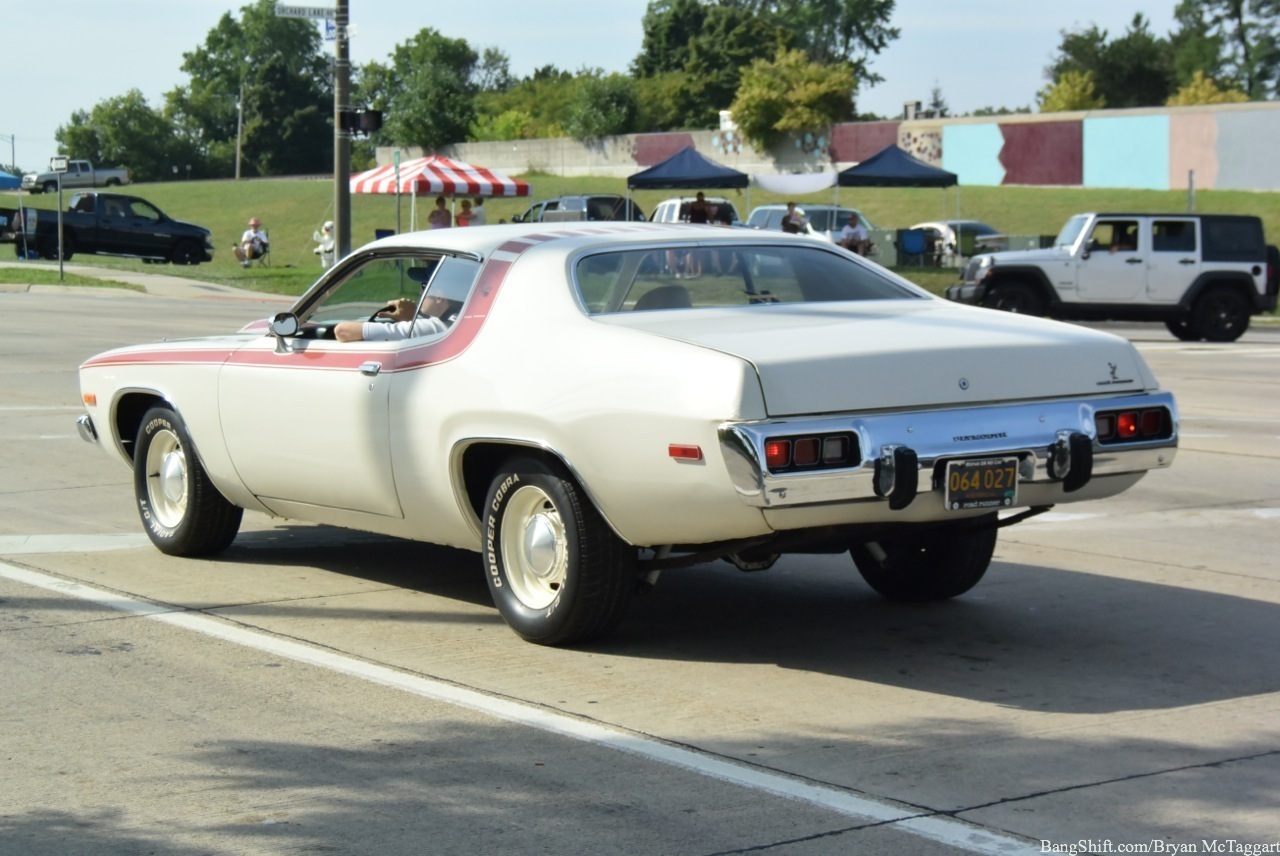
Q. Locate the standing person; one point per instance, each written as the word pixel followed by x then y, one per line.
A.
pixel 699 210
pixel 325 244
pixel 854 236
pixel 793 221
pixel 465 215
pixel 478 217
pixel 253 243
pixel 440 218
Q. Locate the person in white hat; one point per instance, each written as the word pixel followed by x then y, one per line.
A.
pixel 324 238
pixel 253 243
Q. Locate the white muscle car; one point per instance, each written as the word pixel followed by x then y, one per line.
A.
pixel 589 417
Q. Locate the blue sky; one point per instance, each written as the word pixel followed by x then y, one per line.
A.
pixel 60 56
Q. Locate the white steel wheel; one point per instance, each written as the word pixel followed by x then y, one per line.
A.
pixel 166 473
pixel 557 573
pixel 535 550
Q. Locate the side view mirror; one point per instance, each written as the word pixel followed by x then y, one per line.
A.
pixel 1085 253
pixel 517 218
pixel 284 325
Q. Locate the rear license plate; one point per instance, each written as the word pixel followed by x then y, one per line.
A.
pixel 986 483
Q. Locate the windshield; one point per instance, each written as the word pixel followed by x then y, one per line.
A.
pixel 975 227
pixel 1071 231
pixel 690 277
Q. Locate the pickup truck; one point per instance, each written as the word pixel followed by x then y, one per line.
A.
pixel 1203 275
pixel 79 174
pixel 107 224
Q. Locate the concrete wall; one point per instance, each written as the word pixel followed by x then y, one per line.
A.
pixel 1226 146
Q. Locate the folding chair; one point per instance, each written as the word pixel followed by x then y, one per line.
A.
pixel 911 244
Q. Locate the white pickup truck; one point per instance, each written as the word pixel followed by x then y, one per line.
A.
pixel 80 175
pixel 1203 275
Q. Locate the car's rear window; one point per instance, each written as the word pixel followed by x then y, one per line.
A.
pixel 692 277
pixel 1233 239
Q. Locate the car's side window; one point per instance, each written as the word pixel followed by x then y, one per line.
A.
pixel 1116 236
pixel 1173 236
pixel 368 288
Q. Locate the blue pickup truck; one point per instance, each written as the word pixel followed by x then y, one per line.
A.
pixel 109 224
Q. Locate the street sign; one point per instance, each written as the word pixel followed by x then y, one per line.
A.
pixel 315 13
pixel 330 29
pixel 58 163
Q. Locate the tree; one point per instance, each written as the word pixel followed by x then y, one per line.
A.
pixel 1195 47
pixel 126 131
pixel 833 30
pixel 1205 90
pixel 234 59
pixel 938 107
pixel 427 92
pixel 603 105
pixel 1248 32
pixel 536 106
pixel 1134 70
pixel 1074 91
pixel 669 26
pixel 791 94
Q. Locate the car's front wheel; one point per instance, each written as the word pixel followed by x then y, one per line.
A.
pixel 933 564
pixel 1016 297
pixel 183 513
pixel 556 571
pixel 1183 329
pixel 185 253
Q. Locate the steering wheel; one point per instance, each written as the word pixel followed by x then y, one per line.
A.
pixel 377 315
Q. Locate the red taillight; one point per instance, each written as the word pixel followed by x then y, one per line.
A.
pixel 1127 425
pixel 1124 426
pixel 777 454
pixel 806 451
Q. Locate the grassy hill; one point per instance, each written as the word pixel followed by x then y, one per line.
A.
pixel 292 209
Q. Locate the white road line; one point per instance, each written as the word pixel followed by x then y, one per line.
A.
pixel 13 545
pixel 39 408
pixel 946 830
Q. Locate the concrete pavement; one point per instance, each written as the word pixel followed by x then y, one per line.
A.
pixel 157 284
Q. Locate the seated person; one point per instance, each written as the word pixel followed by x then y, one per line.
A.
pixel 854 236
pixel 253 243
pixel 405 321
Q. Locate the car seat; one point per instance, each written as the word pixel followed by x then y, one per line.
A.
pixel 664 297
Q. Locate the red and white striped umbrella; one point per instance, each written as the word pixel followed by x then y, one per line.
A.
pixel 438 176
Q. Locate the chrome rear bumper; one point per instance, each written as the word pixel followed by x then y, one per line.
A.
pixel 1038 434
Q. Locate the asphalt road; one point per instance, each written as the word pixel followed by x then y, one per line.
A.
pixel 1112 682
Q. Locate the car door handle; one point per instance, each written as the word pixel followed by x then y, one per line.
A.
pixel 1133 261
pixel 1186 261
pixel 370 368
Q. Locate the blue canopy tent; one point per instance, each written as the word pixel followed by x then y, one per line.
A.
pixel 9 182
pixel 688 170
pixel 893 167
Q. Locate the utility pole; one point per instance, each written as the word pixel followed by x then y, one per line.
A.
pixel 341 136
pixel 239 127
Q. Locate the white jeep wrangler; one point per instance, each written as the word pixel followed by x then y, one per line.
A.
pixel 1203 275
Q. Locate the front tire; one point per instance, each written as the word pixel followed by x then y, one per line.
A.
pixel 1222 315
pixel 185 253
pixel 556 571
pixel 934 564
pixel 1017 297
pixel 182 511
pixel 1183 330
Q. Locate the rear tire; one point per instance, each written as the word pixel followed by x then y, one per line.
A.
pixel 934 564
pixel 556 571
pixel 1222 315
pixel 182 511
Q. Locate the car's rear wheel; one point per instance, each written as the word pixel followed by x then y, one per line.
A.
pixel 1016 297
pixel 933 564
pixel 49 247
pixel 51 187
pixel 556 571
pixel 183 513
pixel 1222 315
pixel 185 253
pixel 1183 329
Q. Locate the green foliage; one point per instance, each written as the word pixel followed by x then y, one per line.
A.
pixel 426 93
pixel 1248 32
pixel 277 64
pixel 791 94
pixel 1205 90
pixel 532 108
pixel 603 105
pixel 126 131
pixel 1134 70
pixel 1074 90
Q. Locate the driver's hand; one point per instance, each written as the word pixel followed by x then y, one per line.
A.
pixel 401 309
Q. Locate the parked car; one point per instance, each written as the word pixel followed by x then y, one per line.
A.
pixel 676 210
pixel 594 206
pixel 975 237
pixel 109 224
pixel 590 421
pixel 79 174
pixel 1203 275
pixel 824 221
